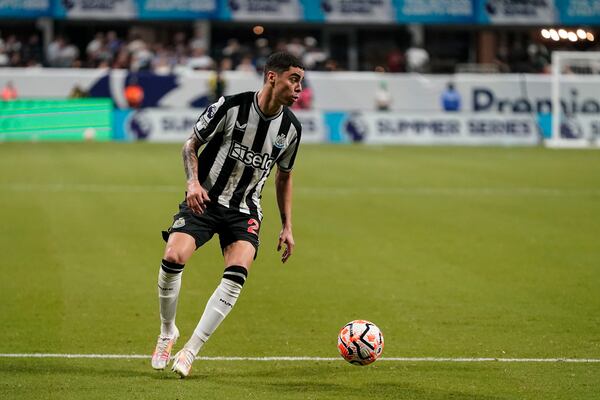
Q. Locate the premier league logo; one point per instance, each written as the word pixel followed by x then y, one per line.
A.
pixel 210 112
pixel 206 117
pixel 326 6
pixel 140 125
pixel 68 4
pixel 355 127
pixel 570 129
pixel 491 7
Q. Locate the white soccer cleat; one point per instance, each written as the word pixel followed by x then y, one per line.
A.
pixel 183 362
pixel 162 352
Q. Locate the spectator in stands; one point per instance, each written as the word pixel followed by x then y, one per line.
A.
pixel 262 50
pixel 281 45
pixel 539 57
pixel 53 51
pixel 32 53
pixel 162 61
pixel 246 64
pixel 12 47
pixel 417 59
pixel 200 60
pixel 296 48
pixel 113 43
pixel 140 54
pixel 141 60
pixel 181 50
pixel 61 54
pixel 226 64
pixel 383 97
pixel 198 41
pixel 15 60
pixel 4 60
pixel 135 42
pixel 9 92
pixel 93 48
pixel 99 55
pixel 396 61
pixel 180 38
pixel 122 59
pixel 451 100
pixel 69 56
pixel 313 57
pixel 233 51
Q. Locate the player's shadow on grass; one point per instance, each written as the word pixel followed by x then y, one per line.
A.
pixel 286 380
pixel 380 390
pixel 76 368
pixel 327 379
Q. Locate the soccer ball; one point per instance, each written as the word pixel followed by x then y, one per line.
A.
pixel 360 342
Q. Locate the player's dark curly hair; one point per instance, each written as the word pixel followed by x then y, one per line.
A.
pixel 280 62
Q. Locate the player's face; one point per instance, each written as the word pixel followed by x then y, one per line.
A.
pixel 288 85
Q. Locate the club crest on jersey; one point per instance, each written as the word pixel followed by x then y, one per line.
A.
pixel 238 151
pixel 279 141
pixel 179 223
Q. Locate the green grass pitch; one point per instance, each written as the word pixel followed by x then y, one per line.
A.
pixel 452 252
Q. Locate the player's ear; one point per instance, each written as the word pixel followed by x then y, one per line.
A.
pixel 271 78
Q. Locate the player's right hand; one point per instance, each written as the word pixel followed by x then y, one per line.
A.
pixel 197 197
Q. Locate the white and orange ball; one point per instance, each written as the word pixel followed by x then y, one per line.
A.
pixel 360 342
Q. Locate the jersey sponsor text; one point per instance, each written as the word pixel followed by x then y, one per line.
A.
pixel 238 151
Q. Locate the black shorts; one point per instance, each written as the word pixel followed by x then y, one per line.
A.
pixel 230 225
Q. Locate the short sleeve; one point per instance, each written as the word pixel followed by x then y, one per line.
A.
pixel 286 162
pixel 211 121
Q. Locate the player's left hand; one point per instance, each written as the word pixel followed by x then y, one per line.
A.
pixel 286 239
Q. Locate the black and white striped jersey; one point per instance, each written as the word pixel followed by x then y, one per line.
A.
pixel 242 145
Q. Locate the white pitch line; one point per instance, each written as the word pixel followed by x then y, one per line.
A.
pixel 283 358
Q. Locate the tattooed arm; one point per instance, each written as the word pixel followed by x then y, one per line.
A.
pixel 196 197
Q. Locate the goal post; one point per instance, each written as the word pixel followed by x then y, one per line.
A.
pixel 575 100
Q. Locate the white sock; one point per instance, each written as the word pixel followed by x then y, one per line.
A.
pixel 219 305
pixel 169 283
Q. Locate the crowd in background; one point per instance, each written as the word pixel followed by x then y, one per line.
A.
pixel 18 51
pixel 108 50
pixel 182 52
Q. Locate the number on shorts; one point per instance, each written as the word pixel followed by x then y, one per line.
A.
pixel 253 226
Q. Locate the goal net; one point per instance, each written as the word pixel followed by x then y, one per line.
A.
pixel 575 99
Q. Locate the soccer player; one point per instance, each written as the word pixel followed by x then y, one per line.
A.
pixel 244 135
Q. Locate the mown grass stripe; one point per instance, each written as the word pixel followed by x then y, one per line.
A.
pixel 287 358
